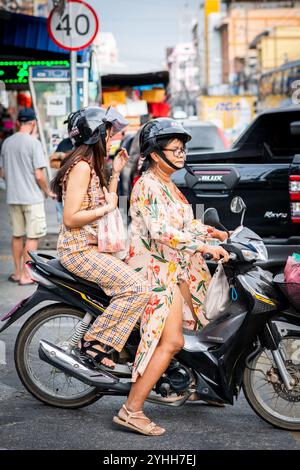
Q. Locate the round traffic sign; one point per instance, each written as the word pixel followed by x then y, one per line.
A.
pixel 76 28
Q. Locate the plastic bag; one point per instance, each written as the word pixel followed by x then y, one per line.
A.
pixel 111 233
pixel 292 269
pixel 217 295
pixel 292 280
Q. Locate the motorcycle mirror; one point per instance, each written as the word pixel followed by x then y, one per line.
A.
pixel 211 217
pixel 237 205
pixel 190 177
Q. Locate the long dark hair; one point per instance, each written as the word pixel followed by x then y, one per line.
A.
pixel 93 154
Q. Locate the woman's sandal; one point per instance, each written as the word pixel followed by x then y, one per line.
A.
pixel 88 346
pixel 148 430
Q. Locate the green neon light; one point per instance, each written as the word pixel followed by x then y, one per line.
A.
pixel 12 80
pixel 22 71
pixel 27 63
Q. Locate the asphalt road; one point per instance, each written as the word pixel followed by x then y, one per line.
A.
pixel 26 423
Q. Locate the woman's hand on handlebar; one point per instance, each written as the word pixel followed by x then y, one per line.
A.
pixel 216 252
pixel 215 233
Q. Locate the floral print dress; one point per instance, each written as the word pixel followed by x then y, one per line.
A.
pixel 163 248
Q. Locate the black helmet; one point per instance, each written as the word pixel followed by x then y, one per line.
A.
pixel 88 125
pixel 158 129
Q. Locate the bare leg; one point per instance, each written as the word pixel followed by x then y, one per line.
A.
pixel 170 343
pixel 30 245
pixel 186 294
pixel 17 252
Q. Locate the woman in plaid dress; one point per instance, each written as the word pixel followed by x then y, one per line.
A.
pixel 82 184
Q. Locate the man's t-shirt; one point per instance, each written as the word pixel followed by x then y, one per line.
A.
pixel 21 155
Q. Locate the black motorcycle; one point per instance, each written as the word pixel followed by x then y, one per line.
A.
pixel 253 345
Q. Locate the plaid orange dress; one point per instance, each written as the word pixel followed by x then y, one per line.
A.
pixel 130 292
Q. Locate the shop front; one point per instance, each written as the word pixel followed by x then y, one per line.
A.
pixel 24 46
pixel 138 97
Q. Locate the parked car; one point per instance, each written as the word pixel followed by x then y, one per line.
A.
pixel 264 169
pixel 205 137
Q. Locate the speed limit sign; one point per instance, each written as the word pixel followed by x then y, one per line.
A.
pixel 75 28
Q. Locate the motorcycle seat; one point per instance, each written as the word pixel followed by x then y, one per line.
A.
pixel 55 263
pixel 53 266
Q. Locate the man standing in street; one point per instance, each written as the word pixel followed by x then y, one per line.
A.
pixel 22 164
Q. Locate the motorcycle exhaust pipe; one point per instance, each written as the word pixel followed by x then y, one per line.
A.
pixel 71 365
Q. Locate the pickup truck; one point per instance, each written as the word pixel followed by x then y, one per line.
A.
pixel 263 167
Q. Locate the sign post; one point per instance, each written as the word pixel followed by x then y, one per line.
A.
pixel 73 29
pixel 73 61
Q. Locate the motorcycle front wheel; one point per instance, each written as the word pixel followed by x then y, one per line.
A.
pixel 56 324
pixel 265 390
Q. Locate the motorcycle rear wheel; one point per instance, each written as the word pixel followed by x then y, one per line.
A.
pixel 55 323
pixel 265 392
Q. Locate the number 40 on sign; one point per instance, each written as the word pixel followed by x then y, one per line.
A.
pixel 75 28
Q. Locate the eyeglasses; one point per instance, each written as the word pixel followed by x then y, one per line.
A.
pixel 177 152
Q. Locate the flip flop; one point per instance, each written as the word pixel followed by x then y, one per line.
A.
pixel 11 279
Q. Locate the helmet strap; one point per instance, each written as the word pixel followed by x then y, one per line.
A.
pixel 166 160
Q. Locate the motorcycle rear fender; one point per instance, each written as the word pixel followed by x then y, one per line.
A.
pixel 40 295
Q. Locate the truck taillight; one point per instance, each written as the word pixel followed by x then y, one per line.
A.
pixel 294 190
pixel 295 212
pixel 294 186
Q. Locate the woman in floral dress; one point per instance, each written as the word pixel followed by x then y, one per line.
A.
pixel 167 247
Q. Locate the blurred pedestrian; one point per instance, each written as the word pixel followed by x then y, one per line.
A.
pixel 22 165
pixel 60 153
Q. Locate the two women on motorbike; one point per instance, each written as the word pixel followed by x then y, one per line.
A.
pixel 164 279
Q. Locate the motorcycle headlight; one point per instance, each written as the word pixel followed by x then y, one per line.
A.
pixel 259 252
pixel 250 255
pixel 262 251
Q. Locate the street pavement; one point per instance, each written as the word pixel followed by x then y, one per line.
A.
pixel 25 423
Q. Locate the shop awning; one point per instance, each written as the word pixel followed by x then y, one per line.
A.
pixel 27 36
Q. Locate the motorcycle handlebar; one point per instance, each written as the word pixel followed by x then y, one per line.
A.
pixel 208 257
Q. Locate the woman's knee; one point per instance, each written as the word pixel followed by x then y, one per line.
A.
pixel 173 345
